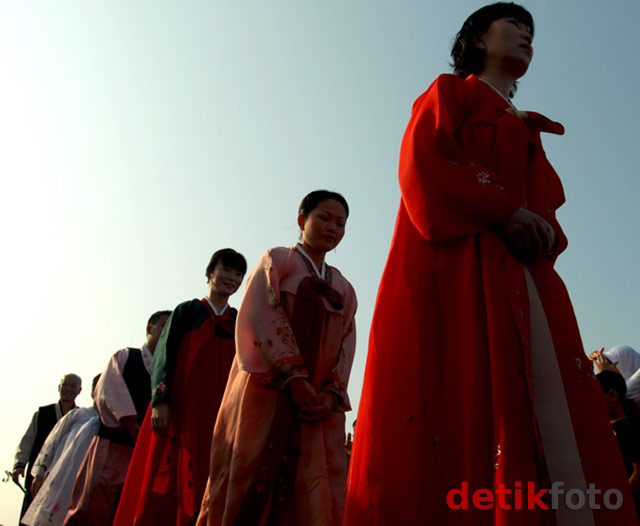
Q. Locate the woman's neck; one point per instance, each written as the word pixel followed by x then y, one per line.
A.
pixel 219 300
pixel 501 82
pixel 316 256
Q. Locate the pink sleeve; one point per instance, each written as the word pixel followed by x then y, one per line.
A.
pixel 340 374
pixel 265 343
pixel 112 395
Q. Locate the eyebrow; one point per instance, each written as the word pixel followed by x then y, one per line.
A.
pixel 326 211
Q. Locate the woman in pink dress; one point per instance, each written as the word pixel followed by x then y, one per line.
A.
pixel 278 445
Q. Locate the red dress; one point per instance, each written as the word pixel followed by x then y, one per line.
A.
pixel 168 476
pixel 476 372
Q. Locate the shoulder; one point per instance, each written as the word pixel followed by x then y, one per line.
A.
pixel 123 354
pixel 277 258
pixel 277 253
pixel 449 83
pixel 447 92
pixel 189 308
pixel 45 408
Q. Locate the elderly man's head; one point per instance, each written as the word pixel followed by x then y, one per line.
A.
pixel 70 387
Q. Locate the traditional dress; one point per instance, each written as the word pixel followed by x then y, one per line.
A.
pixel 476 372
pixel 168 476
pixel 59 461
pixel 124 390
pixel 264 462
pixel 42 422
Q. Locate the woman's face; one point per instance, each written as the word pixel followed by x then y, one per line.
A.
pixel 323 228
pixel 507 46
pixel 224 280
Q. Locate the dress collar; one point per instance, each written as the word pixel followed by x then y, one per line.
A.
pixel 323 268
pixel 508 100
pixel 147 357
pixel 215 311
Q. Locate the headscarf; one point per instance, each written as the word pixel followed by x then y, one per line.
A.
pixel 628 359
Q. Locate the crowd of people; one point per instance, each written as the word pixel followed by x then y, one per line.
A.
pixel 475 374
pixel 272 378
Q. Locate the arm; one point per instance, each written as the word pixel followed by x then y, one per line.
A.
pixel 24 449
pixel 446 194
pixel 166 354
pixel 163 367
pixel 333 394
pixel 52 443
pixel 265 344
pixel 337 383
pixel 111 397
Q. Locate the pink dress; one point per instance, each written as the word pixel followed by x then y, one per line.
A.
pixel 265 464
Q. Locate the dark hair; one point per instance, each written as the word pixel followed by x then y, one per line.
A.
pixel 612 380
pixel 467 57
pixel 230 258
pixel 94 382
pixel 313 199
pixel 157 315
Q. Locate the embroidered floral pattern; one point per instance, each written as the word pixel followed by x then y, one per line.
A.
pixel 160 390
pixel 286 334
pixel 586 372
pixel 485 179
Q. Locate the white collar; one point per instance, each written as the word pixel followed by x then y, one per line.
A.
pixel 147 357
pixel 320 273
pixel 215 311
pixel 497 91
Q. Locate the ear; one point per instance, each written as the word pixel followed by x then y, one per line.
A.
pixel 479 41
pixel 149 328
pixel 301 221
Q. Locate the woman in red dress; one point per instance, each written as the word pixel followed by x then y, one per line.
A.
pixel 476 377
pixel 170 465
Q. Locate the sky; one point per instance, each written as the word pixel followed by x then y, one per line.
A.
pixel 136 138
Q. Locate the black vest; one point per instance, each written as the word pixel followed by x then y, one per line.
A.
pixel 46 421
pixel 138 381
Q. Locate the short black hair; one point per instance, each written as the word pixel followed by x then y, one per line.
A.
pixel 157 315
pixel 94 382
pixel 467 57
pixel 230 258
pixel 313 199
pixel 612 380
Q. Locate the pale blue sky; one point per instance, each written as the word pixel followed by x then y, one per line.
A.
pixel 139 137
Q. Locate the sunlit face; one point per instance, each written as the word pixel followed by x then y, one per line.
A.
pixel 155 330
pixel 323 228
pixel 507 44
pixel 69 388
pixel 224 280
